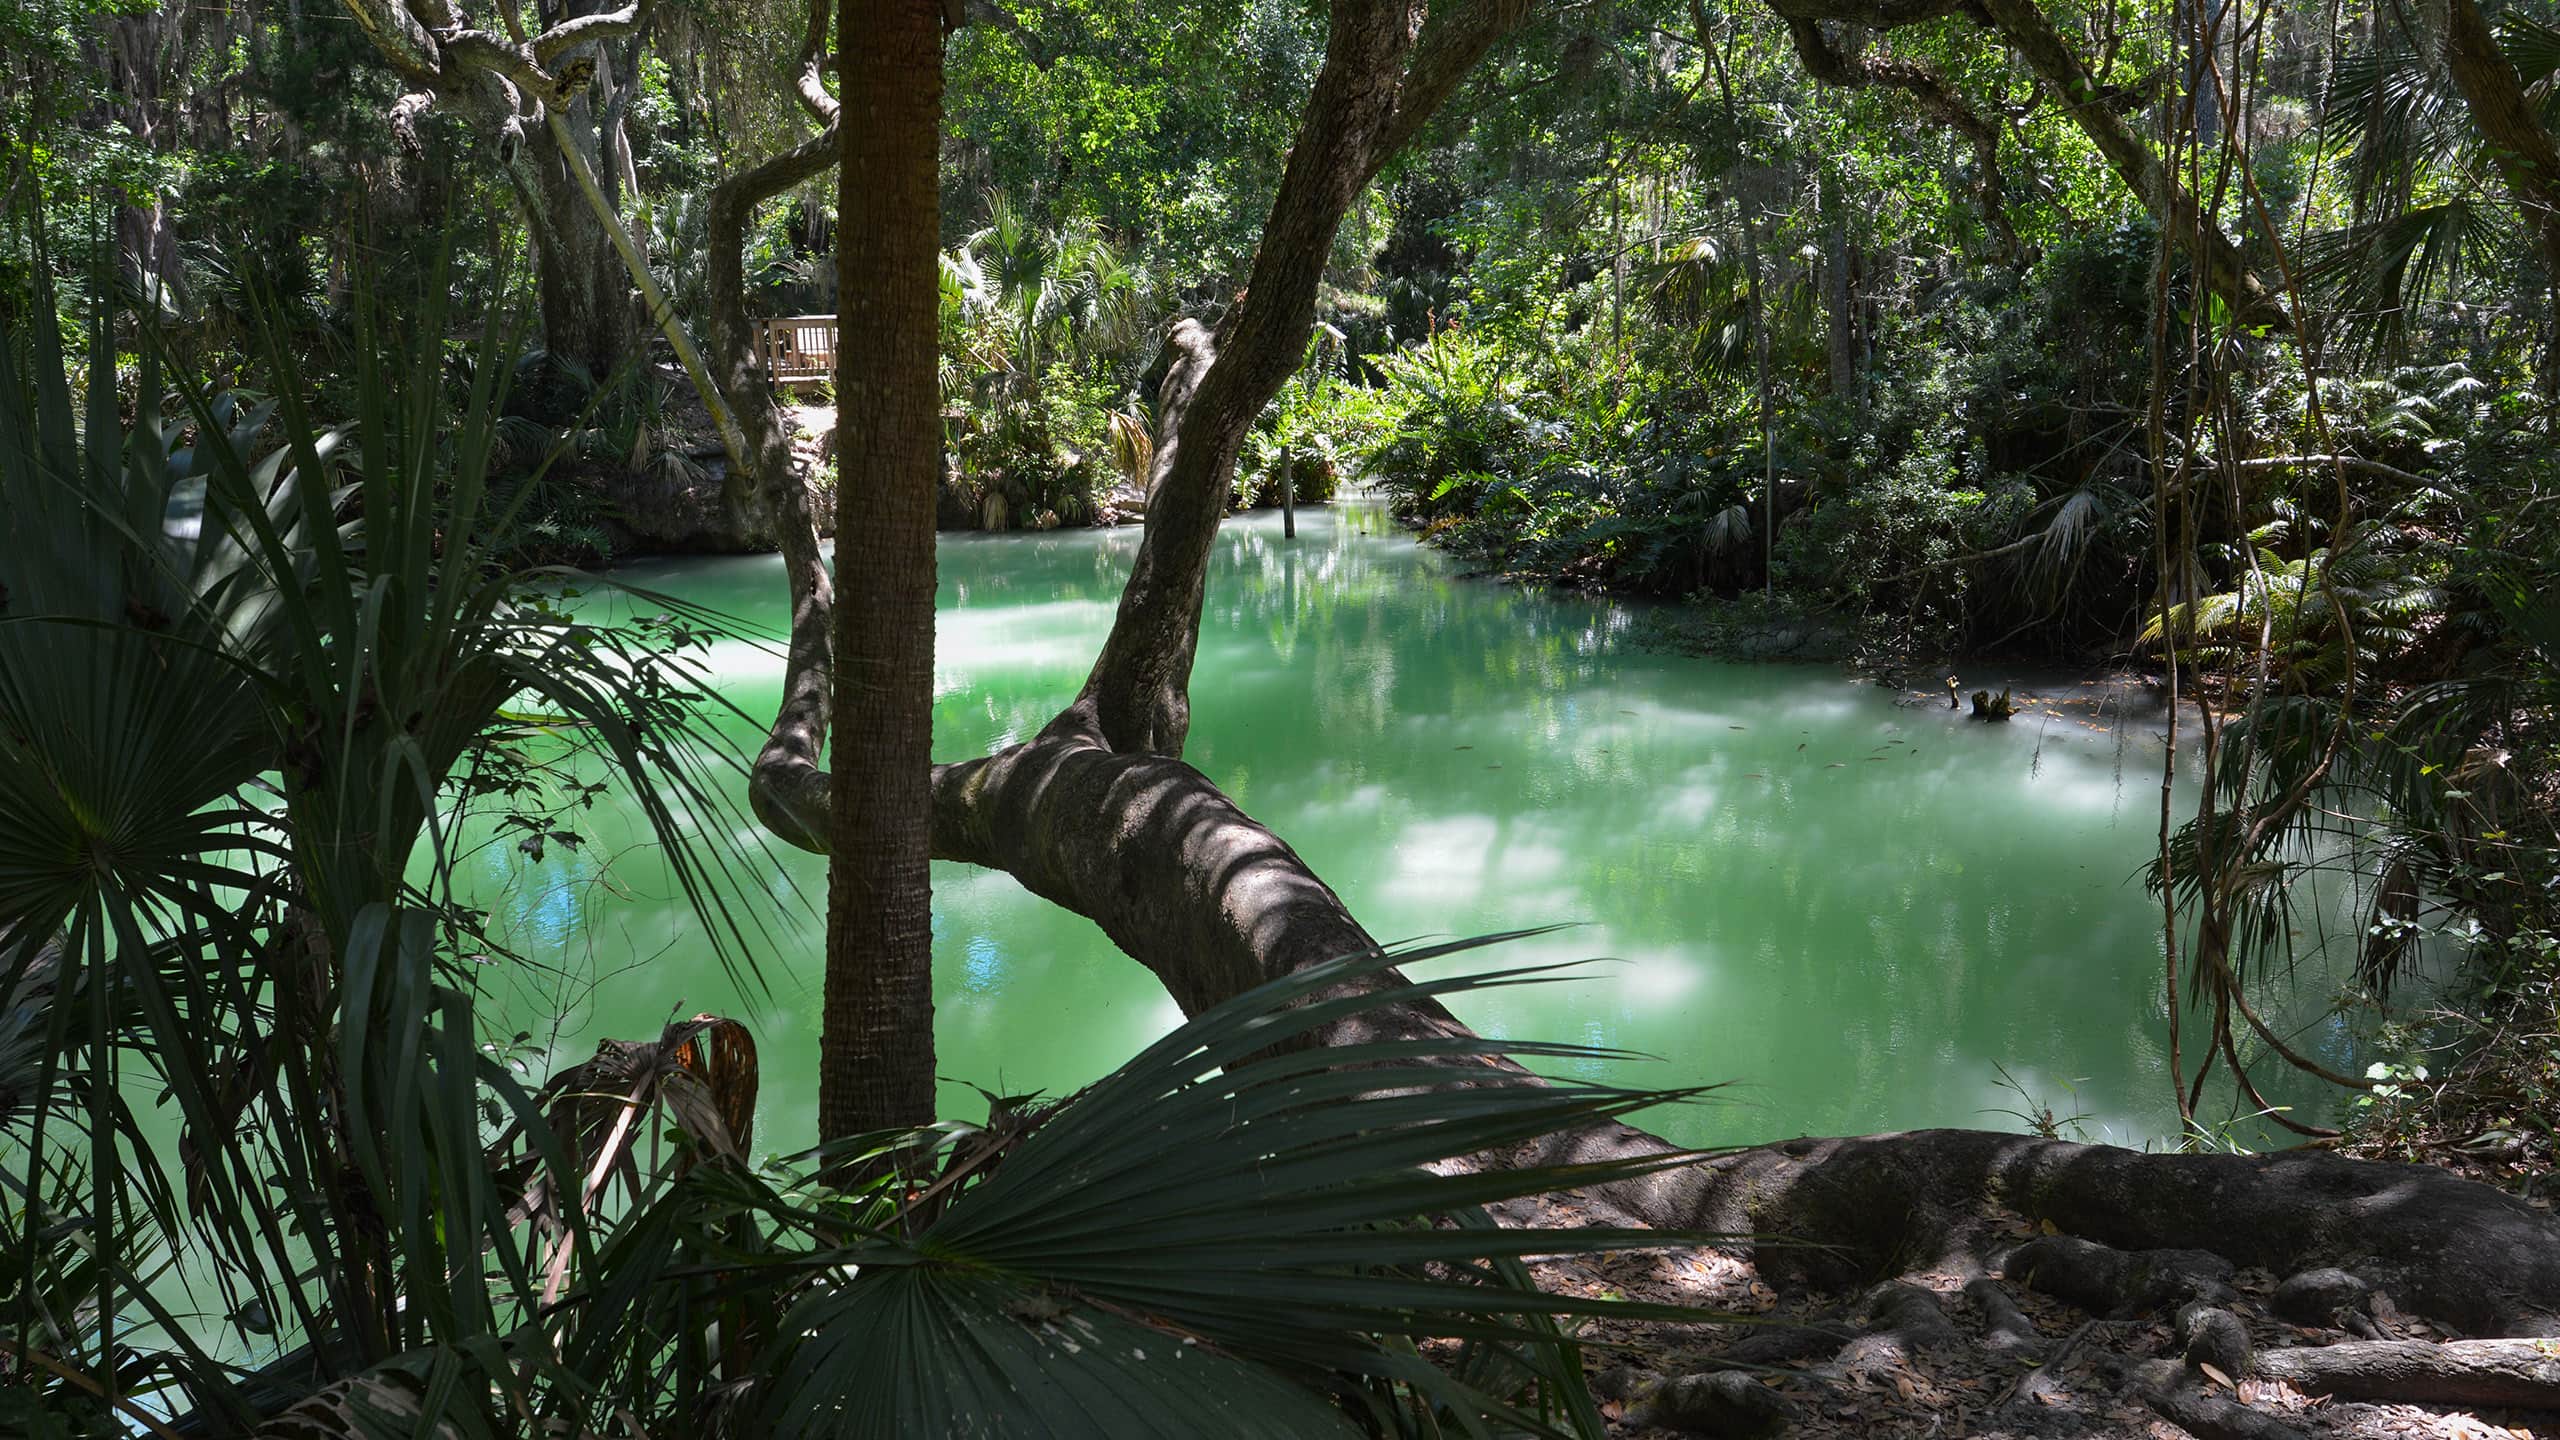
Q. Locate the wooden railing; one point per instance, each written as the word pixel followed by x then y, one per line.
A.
pixel 797 347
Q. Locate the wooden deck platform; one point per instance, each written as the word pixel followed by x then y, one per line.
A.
pixel 797 349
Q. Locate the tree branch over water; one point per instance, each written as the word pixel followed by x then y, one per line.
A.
pixel 1099 814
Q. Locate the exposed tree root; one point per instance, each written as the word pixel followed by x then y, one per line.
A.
pixel 2208 1416
pixel 2115 1283
pixel 2476 1260
pixel 1100 815
pixel 2519 1373
pixel 2005 1328
pixel 2042 1385
pixel 1939 1352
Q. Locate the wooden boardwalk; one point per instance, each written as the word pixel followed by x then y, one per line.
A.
pixel 797 349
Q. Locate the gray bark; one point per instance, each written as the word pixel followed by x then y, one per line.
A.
pixel 495 81
pixel 2521 1373
pixel 1100 815
pixel 751 506
pixel 2456 1251
pixel 1839 305
pixel 588 318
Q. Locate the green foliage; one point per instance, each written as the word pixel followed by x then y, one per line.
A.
pixel 2408 691
pixel 247 698
pixel 1206 1240
pixel 244 698
pixel 2426 219
pixel 1317 426
pixel 1570 468
pixel 1163 127
pixel 1039 330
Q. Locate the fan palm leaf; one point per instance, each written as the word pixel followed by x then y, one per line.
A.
pixel 233 693
pixel 1212 1204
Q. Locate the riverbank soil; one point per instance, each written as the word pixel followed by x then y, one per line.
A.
pixel 2025 1332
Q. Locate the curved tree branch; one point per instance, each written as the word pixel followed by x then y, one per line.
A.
pixel 789 787
pixel 401 38
pixel 809 83
pixel 1929 89
pixel 1365 103
pixel 2022 24
pixel 1453 39
pixel 560 39
pixel 1099 816
pixel 470 50
pixel 733 353
pixel 2222 267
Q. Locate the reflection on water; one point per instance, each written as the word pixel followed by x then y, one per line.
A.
pixel 1851 909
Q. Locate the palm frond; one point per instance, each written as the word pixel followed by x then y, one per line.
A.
pixel 2368 276
pixel 1216 1214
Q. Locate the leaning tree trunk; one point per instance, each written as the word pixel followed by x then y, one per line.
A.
pixel 747 503
pixel 1380 81
pixel 1839 302
pixel 1097 814
pixel 876 1047
pixel 581 285
pixel 509 87
pixel 752 496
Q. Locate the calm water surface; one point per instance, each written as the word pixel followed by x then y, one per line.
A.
pixel 1853 910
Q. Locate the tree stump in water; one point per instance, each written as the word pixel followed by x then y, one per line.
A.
pixel 1987 706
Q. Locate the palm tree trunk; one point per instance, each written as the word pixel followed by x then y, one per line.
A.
pixel 876 1047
